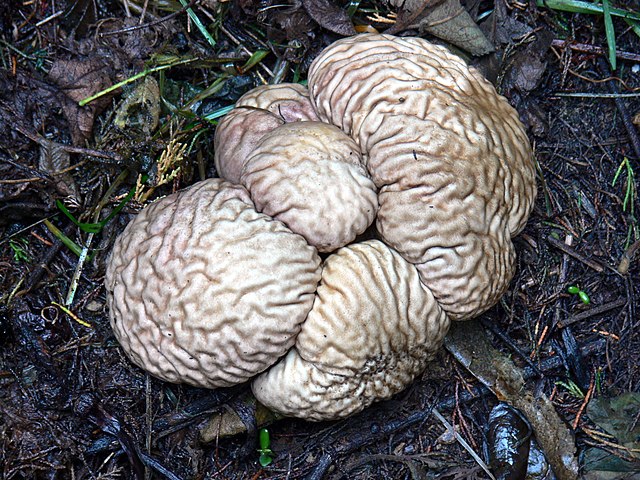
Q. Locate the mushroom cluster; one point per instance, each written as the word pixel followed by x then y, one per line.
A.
pixel 223 282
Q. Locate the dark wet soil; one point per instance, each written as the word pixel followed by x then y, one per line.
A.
pixel 73 407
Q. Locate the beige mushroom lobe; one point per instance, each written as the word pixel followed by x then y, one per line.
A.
pixel 372 329
pixel 449 156
pixel 309 175
pixel 203 289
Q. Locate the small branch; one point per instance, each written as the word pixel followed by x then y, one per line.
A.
pixel 572 252
pixel 592 49
pixel 592 312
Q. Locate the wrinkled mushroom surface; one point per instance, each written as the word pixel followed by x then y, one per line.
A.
pixel 237 135
pixel 309 175
pixel 448 154
pixel 257 112
pixel 289 101
pixel 372 330
pixel 203 289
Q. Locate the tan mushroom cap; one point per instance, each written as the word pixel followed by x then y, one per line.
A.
pixel 257 112
pixel 289 101
pixel 236 137
pixel 450 158
pixel 309 175
pixel 372 330
pixel 202 289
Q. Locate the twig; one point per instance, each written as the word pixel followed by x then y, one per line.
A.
pixel 463 442
pixel 592 312
pixel 133 78
pixel 149 24
pixel 585 402
pixel 586 48
pixel 624 113
pixel 245 49
pixel 597 95
pixel 34 137
pixel 570 251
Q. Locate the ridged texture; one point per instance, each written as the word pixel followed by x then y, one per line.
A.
pixel 237 135
pixel 449 156
pixel 372 330
pixel 289 101
pixel 309 175
pixel 257 112
pixel 203 289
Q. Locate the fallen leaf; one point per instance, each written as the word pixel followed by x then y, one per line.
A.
pixel 140 110
pixel 508 442
pixel 330 16
pixel 445 19
pixel 526 68
pixel 53 160
pixel 78 79
pixel 502 28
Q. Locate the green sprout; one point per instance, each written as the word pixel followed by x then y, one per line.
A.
pixel 19 252
pixel 572 388
pixel 575 290
pixel 264 450
pixel 630 194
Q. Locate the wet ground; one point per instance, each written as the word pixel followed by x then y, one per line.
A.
pixel 74 407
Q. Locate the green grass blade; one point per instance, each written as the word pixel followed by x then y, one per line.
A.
pixel 255 59
pixel 635 26
pixel 611 35
pixel 67 242
pixel 577 6
pixel 194 18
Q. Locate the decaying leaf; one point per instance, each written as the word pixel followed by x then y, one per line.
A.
pixel 469 344
pixel 527 67
pixel 229 423
pixel 54 159
pixel 502 28
pixel 78 79
pixel 445 19
pixel 617 416
pixel 140 110
pixel 508 438
pixel 330 16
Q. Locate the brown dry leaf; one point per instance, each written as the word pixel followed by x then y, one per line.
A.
pixel 330 16
pixel 78 79
pixel 53 160
pixel 469 344
pixel 445 19
pixel 527 68
pixel 501 28
pixel 229 424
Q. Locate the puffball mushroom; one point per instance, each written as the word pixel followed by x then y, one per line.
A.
pixel 310 176
pixel 371 331
pixel 257 112
pixel 306 173
pixel 203 289
pixel 450 158
pixel 289 101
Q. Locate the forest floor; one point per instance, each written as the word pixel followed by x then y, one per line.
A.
pixel 71 404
